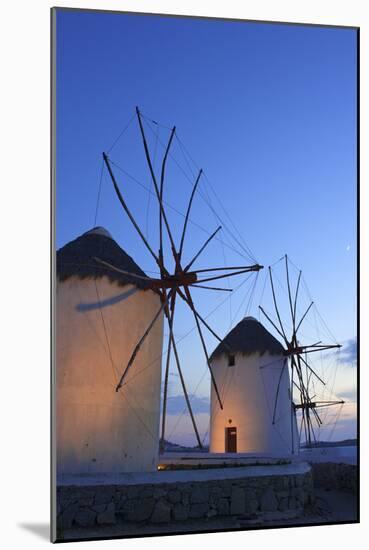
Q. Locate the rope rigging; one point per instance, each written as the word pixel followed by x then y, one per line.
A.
pixel 246 247
pixel 150 187
pixel 223 223
pixel 125 128
pixel 233 240
pixel 99 193
pixel 174 209
pixel 308 399
pixel 186 296
pixel 112 363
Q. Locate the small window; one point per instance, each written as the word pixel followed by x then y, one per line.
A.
pixel 231 360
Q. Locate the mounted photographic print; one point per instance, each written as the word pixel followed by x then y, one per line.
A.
pixel 204 370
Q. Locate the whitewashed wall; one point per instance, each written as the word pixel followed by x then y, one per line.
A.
pixel 98 429
pixel 248 393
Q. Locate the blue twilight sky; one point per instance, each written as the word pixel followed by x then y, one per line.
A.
pixel 269 112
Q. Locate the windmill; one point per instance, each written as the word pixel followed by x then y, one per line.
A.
pixel 171 285
pixel 298 355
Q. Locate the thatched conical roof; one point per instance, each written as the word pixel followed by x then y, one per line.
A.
pixel 77 258
pixel 248 337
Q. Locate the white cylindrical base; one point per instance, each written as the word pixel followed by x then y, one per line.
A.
pixel 99 430
pixel 249 394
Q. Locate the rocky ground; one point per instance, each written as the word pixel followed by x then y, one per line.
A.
pixel 331 506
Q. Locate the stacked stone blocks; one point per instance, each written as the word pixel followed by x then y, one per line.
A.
pixel 162 503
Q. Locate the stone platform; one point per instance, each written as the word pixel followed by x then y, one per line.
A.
pixel 184 460
pixel 166 497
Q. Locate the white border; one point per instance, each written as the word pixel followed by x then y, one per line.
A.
pixel 24 42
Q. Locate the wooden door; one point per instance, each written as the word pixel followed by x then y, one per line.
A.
pixel 231 440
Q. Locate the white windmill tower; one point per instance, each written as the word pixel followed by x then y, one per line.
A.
pixel 109 339
pixel 100 316
pixel 250 367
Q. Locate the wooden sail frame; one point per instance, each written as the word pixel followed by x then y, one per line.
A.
pixel 294 351
pixel 170 285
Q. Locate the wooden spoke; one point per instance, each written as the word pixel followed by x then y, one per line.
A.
pixel 201 249
pixel 277 392
pixel 274 325
pixel 305 400
pixel 161 191
pixel 166 376
pixel 296 295
pixel 251 268
pixel 320 404
pixel 308 405
pixel 312 409
pixel 139 344
pixel 255 267
pixel 190 303
pixel 303 317
pixel 306 349
pixel 171 337
pixel 300 432
pixel 312 432
pixel 303 388
pixel 292 409
pixel 311 370
pixel 147 154
pixel 317 417
pixel 187 214
pixel 290 295
pixel 211 288
pixel 319 346
pixel 128 273
pixel 275 303
pixel 184 297
pixel 127 211
pixel 304 422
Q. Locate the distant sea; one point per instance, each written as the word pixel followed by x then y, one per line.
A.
pixel 346 454
pixel 337 451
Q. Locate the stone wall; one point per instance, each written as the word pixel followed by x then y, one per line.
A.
pixel 330 475
pixel 155 503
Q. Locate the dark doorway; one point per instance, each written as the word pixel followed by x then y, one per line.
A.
pixel 231 440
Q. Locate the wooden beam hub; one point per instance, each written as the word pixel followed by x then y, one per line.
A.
pixel 180 279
